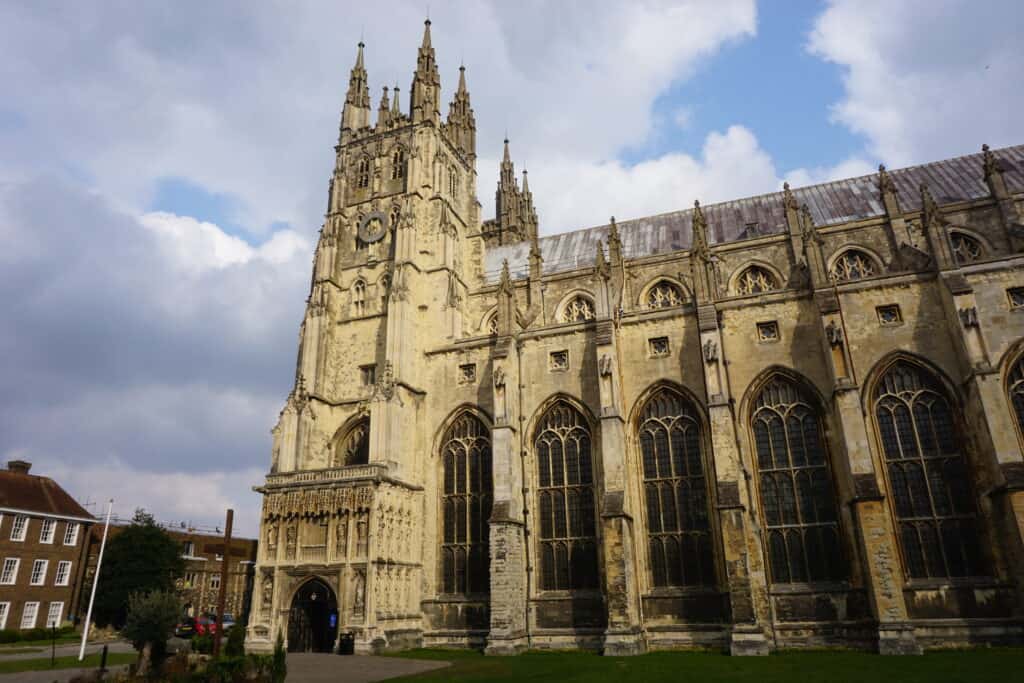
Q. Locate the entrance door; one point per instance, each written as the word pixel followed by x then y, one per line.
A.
pixel 313 619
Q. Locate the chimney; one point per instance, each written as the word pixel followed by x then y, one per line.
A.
pixel 19 466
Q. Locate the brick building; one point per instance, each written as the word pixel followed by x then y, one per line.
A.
pixel 786 420
pixel 43 536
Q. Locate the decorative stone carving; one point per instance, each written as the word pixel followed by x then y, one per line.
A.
pixel 710 351
pixel 290 540
pixel 834 334
pixel 969 316
pixel 605 365
pixel 267 595
pixel 341 536
pixel 384 389
pixel 359 592
pixel 499 377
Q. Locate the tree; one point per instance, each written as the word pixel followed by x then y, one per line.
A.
pixel 149 623
pixel 140 559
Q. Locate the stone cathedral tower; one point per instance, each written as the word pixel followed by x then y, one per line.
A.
pixel 786 420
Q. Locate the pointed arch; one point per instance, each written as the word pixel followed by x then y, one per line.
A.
pixel 1013 383
pixel 853 262
pixel 358 295
pixel 351 443
pixel 795 480
pixel 672 441
pixel 663 292
pixel 562 438
pixel 576 306
pixel 755 277
pixel 918 425
pixel 967 245
pixel 467 494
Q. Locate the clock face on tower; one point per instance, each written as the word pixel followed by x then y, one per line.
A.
pixel 373 226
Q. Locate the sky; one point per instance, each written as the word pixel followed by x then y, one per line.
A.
pixel 164 170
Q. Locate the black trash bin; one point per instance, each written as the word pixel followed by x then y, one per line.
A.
pixel 346 643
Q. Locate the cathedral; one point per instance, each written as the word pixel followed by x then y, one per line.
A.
pixel 783 421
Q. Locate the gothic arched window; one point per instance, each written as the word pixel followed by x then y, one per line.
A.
pixel 755 280
pixel 928 477
pixel 363 173
pixel 675 490
pixel 492 325
pixel 1015 387
pixel 453 182
pixel 664 294
pixel 966 249
pixel 354 447
pixel 567 543
pixel 359 298
pixel 466 506
pixel 797 497
pixel 852 264
pixel 398 164
pixel 578 309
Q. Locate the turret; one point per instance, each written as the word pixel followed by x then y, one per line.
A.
pixel 384 110
pixel 356 113
pixel 515 216
pixel 461 124
pixel 426 83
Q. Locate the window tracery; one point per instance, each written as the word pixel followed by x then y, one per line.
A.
pixel 354 448
pixel 675 491
pixel 664 294
pixel 466 506
pixel 928 477
pixel 398 164
pixel 567 538
pixel 755 280
pixel 359 298
pixel 796 487
pixel 578 309
pixel 492 325
pixel 363 173
pixel 966 249
pixel 852 264
pixel 1015 387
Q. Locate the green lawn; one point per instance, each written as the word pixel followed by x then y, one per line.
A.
pixel 996 664
pixel 92 661
pixel 61 640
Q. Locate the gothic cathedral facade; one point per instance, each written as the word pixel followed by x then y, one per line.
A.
pixel 787 420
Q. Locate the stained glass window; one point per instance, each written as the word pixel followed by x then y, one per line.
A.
pixel 755 280
pixel 466 507
pixel 852 264
pixel 578 309
pixel 965 248
pixel 664 294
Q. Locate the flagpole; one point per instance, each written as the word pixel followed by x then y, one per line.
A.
pixel 95 580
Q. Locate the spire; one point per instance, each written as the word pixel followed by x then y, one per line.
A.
pixel 356 113
pixel 462 81
pixel 614 241
pixel 507 159
pixel 426 83
pixel 461 124
pixel 699 245
pixel 384 110
pixel 526 184
pixel 396 110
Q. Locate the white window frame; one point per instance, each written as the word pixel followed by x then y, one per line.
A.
pixel 54 620
pixel 215 581
pixel 14 571
pixel 72 531
pixel 19 529
pixel 63 570
pixel 42 566
pixel 48 525
pixel 5 609
pixel 25 612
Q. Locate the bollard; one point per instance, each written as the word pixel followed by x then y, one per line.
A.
pixel 103 660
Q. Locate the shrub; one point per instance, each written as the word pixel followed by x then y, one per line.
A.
pixel 235 645
pixel 150 622
pixel 9 635
pixel 279 665
pixel 202 645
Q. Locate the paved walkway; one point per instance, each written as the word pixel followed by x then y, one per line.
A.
pixel 319 668
pixel 65 650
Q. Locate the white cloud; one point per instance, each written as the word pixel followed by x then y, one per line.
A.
pixel 925 80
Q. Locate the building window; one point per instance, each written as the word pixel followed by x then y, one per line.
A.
pixel 889 314
pixel 755 280
pixel 664 295
pixel 928 476
pixel 658 346
pixel 492 325
pixel 63 576
pixel 675 491
pixel 398 164
pixel 558 361
pixel 577 310
pixel 5 609
pixel 71 534
pixel 966 249
pixel 852 264
pixel 1015 294
pixel 28 615
pixel 768 331
pixel 1015 387
pixel 368 375
pixel 466 506
pixel 190 580
pixel 467 373
pixel 359 298
pixel 453 182
pixel 9 575
pixel 19 528
pixel 215 581
pixel 568 544
pixel 46 531
pixel 54 614
pixel 354 448
pixel 363 173
pixel 189 549
pixel 796 487
pixel 38 576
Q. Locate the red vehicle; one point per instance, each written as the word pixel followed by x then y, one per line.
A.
pixel 193 626
pixel 205 626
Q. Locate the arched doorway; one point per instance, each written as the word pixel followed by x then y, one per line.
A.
pixel 313 620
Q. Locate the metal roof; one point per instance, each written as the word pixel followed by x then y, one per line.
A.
pixel 839 201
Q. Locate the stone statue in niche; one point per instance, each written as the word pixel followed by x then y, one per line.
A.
pixel 361 535
pixel 710 351
pixel 605 365
pixel 834 333
pixel 267 596
pixel 359 592
pixel 271 539
pixel 341 536
pixel 289 542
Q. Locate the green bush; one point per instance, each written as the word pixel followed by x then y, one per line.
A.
pixel 279 665
pixel 235 645
pixel 202 644
pixel 9 635
pixel 36 634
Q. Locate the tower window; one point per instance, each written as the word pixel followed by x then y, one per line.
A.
pixel 363 173
pixel 398 164
pixel 453 182
pixel 359 298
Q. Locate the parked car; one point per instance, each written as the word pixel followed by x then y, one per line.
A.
pixel 186 628
pixel 206 626
pixel 228 622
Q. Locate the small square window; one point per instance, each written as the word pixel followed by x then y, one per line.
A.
pixel 558 361
pixel 889 314
pixel 368 374
pixel 658 346
pixel 768 331
pixel 467 373
pixel 1016 295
